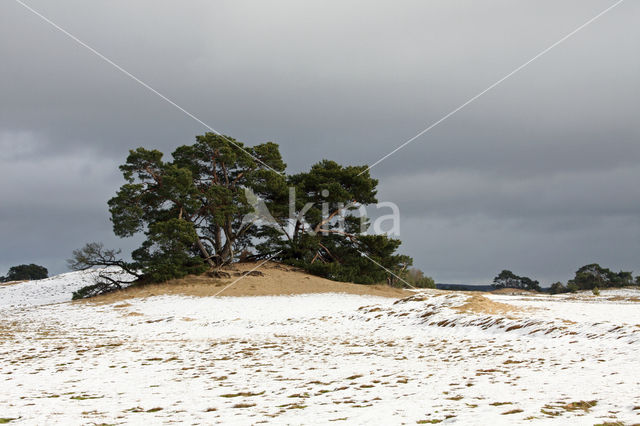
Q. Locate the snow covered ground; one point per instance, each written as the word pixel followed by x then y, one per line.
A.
pixel 52 290
pixel 315 359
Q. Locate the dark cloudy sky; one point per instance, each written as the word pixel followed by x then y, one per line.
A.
pixel 541 175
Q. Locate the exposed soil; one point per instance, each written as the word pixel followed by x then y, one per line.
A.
pixel 270 279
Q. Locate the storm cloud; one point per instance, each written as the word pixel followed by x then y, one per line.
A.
pixel 540 175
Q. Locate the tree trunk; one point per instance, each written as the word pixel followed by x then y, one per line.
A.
pixel 227 250
pixel 204 252
pixel 217 235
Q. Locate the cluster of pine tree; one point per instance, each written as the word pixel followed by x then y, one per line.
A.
pixel 193 211
pixel 507 279
pixel 595 277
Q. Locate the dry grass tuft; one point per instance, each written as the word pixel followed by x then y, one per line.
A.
pixel 514 411
pixel 580 405
pixel 243 405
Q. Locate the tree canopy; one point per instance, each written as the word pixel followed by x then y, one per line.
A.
pixel 191 208
pixel 593 275
pixel 418 279
pixel 317 231
pixel 25 272
pixel 507 279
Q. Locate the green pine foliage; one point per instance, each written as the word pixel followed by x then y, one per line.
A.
pixel 507 279
pixel 416 278
pixel 558 288
pixel 168 251
pixel 191 208
pixel 93 290
pixel 326 239
pixel 593 275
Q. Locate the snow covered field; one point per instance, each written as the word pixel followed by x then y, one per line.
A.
pixel 313 359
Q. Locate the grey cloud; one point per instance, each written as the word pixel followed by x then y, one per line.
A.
pixel 53 204
pixel 476 248
pixel 458 193
pixel 345 81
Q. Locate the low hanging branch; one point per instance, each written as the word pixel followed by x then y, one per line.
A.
pixel 95 255
pixel 329 253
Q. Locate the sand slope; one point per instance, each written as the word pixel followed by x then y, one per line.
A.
pixel 247 279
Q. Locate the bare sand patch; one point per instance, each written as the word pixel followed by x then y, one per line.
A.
pixel 271 279
pixel 482 305
pixel 623 299
pixel 514 292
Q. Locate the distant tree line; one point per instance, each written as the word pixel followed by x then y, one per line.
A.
pixel 588 277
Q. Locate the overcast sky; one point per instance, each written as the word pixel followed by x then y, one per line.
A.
pixel 540 175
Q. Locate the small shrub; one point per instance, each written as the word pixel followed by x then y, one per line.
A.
pixel 94 290
pixel 596 291
pixel 416 278
pixel 557 288
pixel 426 282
